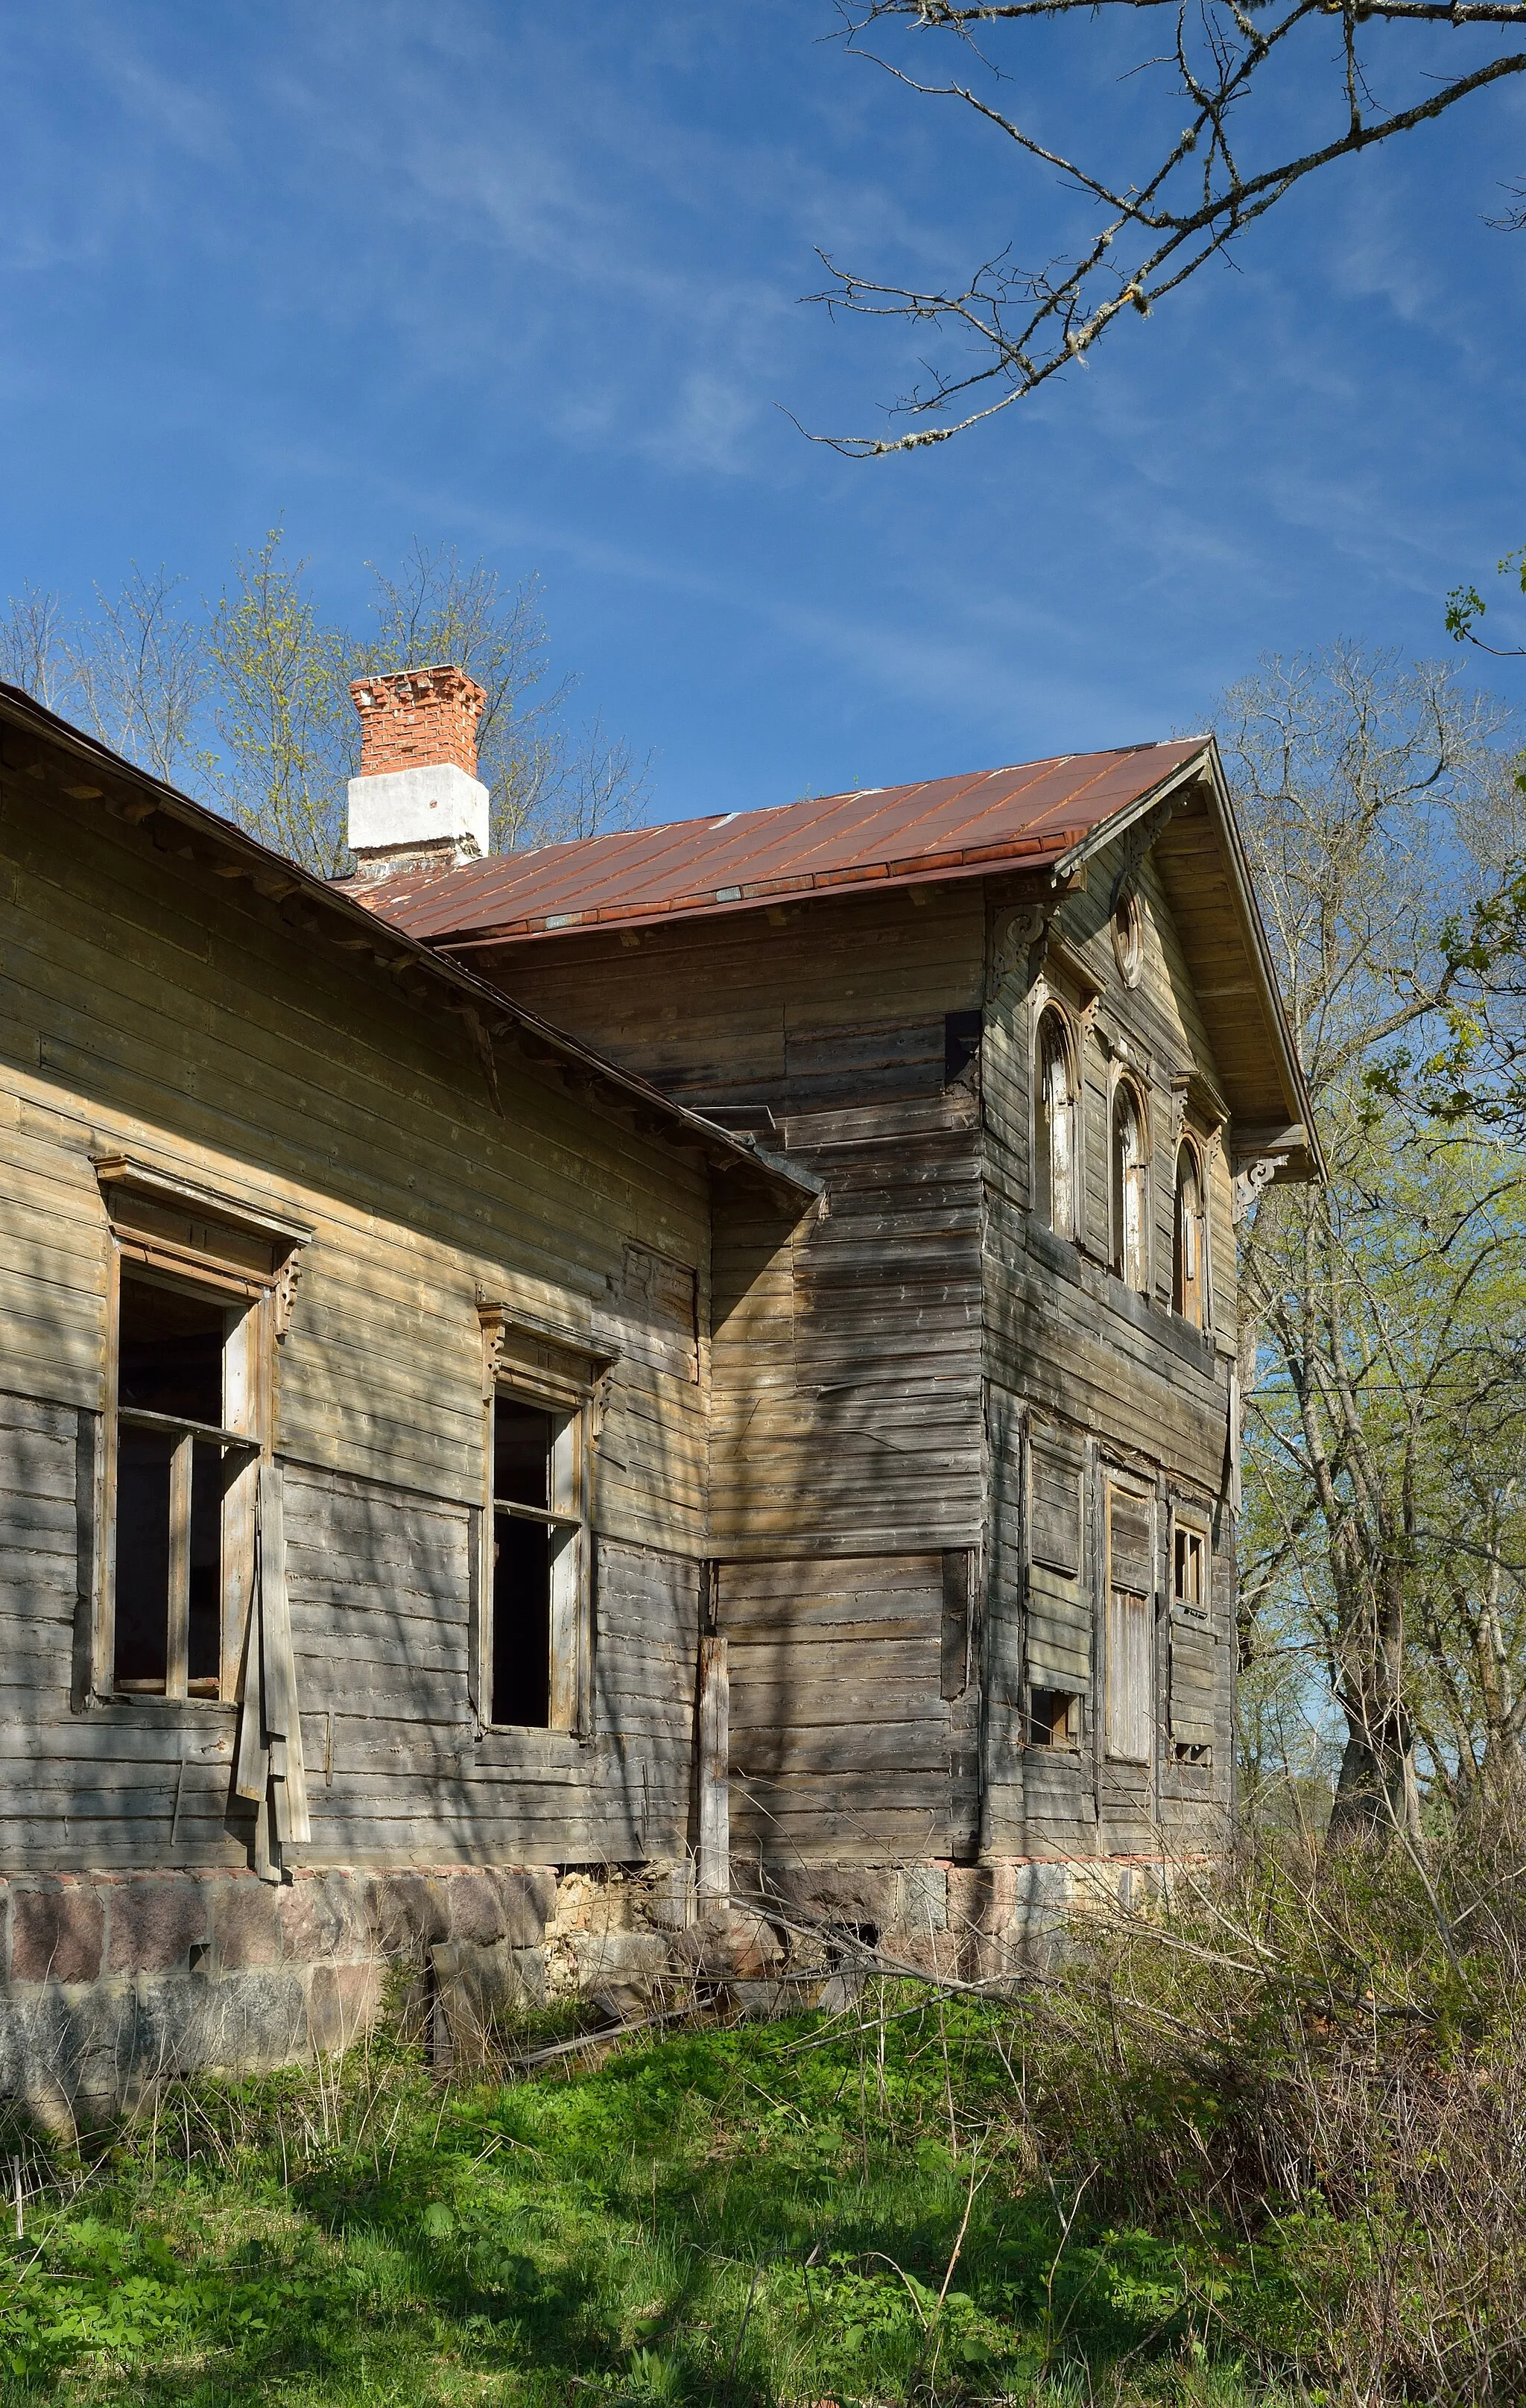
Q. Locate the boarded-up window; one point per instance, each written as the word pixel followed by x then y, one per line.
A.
pixel 1131 1625
pixel 1057 1508
pixel 665 1295
pixel 1058 1622
pixel 1194 1670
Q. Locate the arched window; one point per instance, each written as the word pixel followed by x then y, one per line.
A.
pixel 1189 1273
pixel 1129 1200
pixel 1054 1128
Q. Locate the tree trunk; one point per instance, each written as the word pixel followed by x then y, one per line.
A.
pixel 1377 1795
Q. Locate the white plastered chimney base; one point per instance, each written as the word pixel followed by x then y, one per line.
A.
pixel 408 811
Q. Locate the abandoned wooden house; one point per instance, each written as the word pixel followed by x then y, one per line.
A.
pixel 527 1376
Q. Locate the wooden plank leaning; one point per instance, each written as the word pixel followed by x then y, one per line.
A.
pixel 271 1770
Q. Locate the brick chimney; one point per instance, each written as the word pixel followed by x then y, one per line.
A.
pixel 418 804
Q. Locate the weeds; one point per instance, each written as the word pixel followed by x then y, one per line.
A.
pixel 1265 2146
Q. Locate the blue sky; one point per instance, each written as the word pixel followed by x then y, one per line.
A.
pixel 528 280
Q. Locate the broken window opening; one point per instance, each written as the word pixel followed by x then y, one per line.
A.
pixel 1189 1270
pixel 1195 1753
pixel 1054 1128
pixel 1189 1585
pixel 962 1032
pixel 185 1452
pixel 539 1550
pixel 1131 1216
pixel 1054 1718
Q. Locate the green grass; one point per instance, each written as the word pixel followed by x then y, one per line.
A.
pixel 760 2213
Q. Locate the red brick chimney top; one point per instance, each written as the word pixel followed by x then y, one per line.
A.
pixel 418 719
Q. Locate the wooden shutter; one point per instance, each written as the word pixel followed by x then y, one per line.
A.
pixel 1058 1608
pixel 1130 1625
pixel 1057 1510
pixel 1130 1530
pixel 1194 1678
pixel 1130 1718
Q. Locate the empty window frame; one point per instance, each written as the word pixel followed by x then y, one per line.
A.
pixel 539 1564
pixel 1129 1187
pixel 1189 1571
pixel 184 1444
pixel 1193 1672
pixel 1054 1718
pixel 1131 1624
pixel 1190 1266
pixel 1055 1181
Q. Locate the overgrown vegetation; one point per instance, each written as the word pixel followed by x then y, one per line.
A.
pixel 1268 2145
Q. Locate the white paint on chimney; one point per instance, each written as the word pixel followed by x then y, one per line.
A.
pixel 417 806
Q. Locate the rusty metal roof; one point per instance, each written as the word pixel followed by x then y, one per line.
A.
pixel 1022 818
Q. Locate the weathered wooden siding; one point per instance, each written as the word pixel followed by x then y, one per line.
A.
pixel 845 1458
pixel 376 1579
pixel 841 1740
pixel 847 1352
pixel 147 1005
pixel 1119 1376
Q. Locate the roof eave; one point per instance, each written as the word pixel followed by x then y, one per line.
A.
pixel 722 1147
pixel 1106 832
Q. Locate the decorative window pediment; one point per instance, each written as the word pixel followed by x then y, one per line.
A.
pixel 170 1223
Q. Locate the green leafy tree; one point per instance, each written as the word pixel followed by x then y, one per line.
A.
pixel 280 698
pixel 1376 800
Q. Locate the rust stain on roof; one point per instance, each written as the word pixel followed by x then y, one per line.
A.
pixel 1024 817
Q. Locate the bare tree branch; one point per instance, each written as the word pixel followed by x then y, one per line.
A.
pixel 1201 191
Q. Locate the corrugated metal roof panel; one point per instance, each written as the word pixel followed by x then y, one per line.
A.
pixel 939 827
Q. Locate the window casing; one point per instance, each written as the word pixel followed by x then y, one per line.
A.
pixel 535 1639
pixel 1128 937
pixel 1194 1676
pixel 200 1290
pixel 1130 1188
pixel 1190 1266
pixel 1131 1625
pixel 1059 1617
pixel 1054 1165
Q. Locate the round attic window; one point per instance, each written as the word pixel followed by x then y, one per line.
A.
pixel 1128 937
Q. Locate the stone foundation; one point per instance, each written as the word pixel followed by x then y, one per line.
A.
pixel 112 1984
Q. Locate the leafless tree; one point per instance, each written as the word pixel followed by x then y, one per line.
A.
pixel 138 672
pixel 1227 76
pixel 547 781
pixel 34 646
